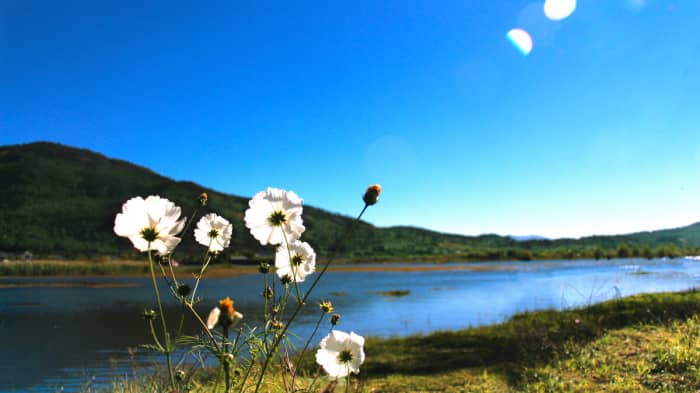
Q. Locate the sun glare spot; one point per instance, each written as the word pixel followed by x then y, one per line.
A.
pixel 521 40
pixel 559 9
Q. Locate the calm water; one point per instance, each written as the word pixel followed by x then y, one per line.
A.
pixel 55 338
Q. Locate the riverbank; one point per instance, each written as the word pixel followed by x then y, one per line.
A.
pixel 644 343
pixel 52 268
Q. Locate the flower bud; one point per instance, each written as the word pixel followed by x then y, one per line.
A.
pixel 183 290
pixel 286 279
pixel 148 315
pixel 326 306
pixel 264 267
pixel 372 194
pixel 180 375
pixel 335 319
pixel 203 197
pixel 268 293
pixel 276 324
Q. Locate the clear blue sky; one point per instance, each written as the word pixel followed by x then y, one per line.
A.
pixel 596 131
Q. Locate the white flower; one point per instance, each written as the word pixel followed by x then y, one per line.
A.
pixel 273 211
pixel 341 353
pixel 297 262
pixel 214 232
pixel 213 318
pixel 150 223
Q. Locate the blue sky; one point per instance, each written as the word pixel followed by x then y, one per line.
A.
pixel 594 132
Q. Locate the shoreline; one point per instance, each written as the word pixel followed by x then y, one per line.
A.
pixel 139 269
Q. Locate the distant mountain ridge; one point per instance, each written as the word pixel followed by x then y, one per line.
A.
pixel 57 200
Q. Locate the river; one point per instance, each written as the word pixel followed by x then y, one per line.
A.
pixel 62 334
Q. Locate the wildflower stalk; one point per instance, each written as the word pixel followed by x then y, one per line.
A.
pixel 291 265
pixel 280 335
pixel 225 360
pixel 155 336
pixel 166 336
pixel 306 346
pixel 207 259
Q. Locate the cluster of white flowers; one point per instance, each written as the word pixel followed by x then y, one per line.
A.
pixel 274 217
pixel 154 223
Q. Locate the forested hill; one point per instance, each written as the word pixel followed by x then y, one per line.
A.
pixel 61 201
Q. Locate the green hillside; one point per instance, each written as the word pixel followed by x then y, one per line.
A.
pixel 61 201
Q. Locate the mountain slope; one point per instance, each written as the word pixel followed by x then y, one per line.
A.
pixel 59 200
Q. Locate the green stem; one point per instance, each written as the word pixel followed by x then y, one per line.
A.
pixel 201 272
pixel 227 366
pixel 279 337
pixel 306 346
pixel 291 264
pixel 162 319
pixel 155 336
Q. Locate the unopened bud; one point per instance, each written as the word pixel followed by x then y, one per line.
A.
pixel 183 290
pixel 203 197
pixel 264 267
pixel 335 319
pixel 372 194
pixel 180 375
pixel 148 315
pixel 268 293
pixel 276 324
pixel 286 279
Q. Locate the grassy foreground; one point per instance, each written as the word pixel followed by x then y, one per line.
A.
pixel 645 343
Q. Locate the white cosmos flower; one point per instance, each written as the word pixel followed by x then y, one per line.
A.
pixel 297 262
pixel 151 223
pixel 273 211
pixel 341 353
pixel 213 231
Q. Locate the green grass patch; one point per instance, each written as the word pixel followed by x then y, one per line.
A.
pixel 644 343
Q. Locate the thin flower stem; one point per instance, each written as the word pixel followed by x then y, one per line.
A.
pixel 347 383
pixel 227 366
pixel 318 373
pixel 155 336
pixel 172 271
pixel 201 272
pixel 291 265
pixel 278 338
pixel 162 319
pixel 306 346
pixel 247 373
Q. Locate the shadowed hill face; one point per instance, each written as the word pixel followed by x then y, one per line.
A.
pixel 59 200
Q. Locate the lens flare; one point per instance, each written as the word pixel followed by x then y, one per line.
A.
pixel 559 9
pixel 521 40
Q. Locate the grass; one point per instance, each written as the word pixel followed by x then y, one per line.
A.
pixel 644 343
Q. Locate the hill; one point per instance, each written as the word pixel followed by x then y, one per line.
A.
pixel 61 201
